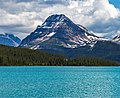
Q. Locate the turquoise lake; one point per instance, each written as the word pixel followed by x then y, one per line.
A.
pixel 59 82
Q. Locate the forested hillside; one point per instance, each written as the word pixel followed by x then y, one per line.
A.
pixel 18 56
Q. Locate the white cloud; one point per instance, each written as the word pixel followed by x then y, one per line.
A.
pixel 23 16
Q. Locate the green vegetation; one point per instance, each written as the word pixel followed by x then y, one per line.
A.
pixel 10 56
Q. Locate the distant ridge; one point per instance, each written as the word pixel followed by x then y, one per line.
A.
pixel 9 40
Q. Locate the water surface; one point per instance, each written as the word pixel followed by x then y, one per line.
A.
pixel 59 82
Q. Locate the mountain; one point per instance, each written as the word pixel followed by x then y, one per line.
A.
pixel 59 31
pixel 116 39
pixel 103 49
pixel 9 40
pixel 59 35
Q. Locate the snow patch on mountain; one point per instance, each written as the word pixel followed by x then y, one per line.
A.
pixel 116 39
pixel 51 34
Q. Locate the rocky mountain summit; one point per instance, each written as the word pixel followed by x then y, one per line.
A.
pixel 59 31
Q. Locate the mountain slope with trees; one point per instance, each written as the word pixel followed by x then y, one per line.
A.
pixel 12 56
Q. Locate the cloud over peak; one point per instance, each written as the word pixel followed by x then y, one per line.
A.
pixel 22 16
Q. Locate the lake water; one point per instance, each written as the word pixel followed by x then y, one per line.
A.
pixel 59 82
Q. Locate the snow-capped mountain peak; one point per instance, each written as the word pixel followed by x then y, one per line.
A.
pixel 56 18
pixel 54 21
pixel 9 39
pixel 59 31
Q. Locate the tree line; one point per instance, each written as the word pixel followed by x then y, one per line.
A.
pixel 11 56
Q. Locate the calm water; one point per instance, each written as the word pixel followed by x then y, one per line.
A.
pixel 59 82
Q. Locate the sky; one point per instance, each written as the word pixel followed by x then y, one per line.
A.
pixel 21 17
pixel 116 3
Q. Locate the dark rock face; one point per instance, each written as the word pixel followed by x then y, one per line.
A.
pixel 9 40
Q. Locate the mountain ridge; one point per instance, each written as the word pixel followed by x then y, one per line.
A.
pixel 116 39
pixel 9 39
